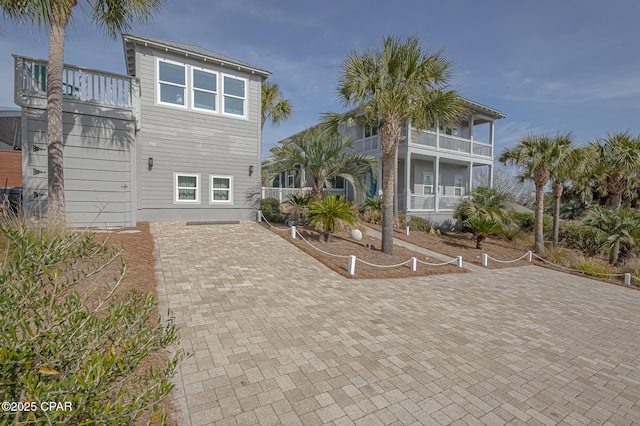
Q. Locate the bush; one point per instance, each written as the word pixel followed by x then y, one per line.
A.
pixel 595 268
pixel 416 223
pixel 329 212
pixel 66 336
pixel 271 211
pixel 587 239
pixel 527 221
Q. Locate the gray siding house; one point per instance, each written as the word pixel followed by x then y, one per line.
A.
pixel 178 138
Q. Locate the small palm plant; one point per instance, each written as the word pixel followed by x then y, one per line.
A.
pixel 481 228
pixel 297 206
pixel 371 210
pixel 328 212
pixel 621 228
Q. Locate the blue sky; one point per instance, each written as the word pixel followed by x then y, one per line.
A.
pixel 550 65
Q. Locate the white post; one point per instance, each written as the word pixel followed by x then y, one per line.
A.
pixel 407 181
pixel 352 265
pixel 459 261
pixel 414 264
pixel 485 259
pixel 627 279
pixel 407 230
pixel 259 215
pixel 436 185
pixel 529 256
pixel 293 232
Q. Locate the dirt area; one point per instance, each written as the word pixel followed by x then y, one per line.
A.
pixel 343 245
pixel 461 244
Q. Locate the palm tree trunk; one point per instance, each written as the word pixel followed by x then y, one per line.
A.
pixel 539 212
pixel 557 194
pixel 55 162
pixel 614 253
pixel 389 166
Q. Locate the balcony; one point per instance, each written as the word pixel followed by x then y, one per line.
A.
pixel 443 142
pixel 86 86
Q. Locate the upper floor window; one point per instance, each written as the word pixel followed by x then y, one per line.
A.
pixel 234 95
pixel 172 83
pixel 205 89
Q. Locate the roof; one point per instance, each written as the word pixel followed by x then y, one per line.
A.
pixel 493 113
pixel 130 40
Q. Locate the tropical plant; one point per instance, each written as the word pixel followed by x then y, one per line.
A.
pixel 270 208
pixel 537 154
pixel 69 335
pixel 323 157
pixel 481 228
pixel 614 161
pixel 387 88
pixel 328 212
pixel 114 16
pixel 567 162
pixel 578 236
pixel 371 210
pixel 297 206
pixel 273 105
pixel 486 203
pixel 621 227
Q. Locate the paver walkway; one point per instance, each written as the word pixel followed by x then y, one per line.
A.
pixel 277 338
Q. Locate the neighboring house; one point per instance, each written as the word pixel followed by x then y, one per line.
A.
pixel 178 138
pixel 10 145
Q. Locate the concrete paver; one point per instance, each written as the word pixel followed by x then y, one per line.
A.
pixel 278 338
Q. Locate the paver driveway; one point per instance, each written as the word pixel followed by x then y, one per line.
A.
pixel 277 338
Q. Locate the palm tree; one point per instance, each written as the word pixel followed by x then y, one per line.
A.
pixel 328 212
pixel 390 87
pixel 481 228
pixel 274 106
pixel 324 157
pixel 614 160
pixel 566 165
pixel 487 203
pixel 114 16
pixel 538 155
pixel 621 227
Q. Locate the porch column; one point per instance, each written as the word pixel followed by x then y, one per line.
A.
pixel 437 135
pixel 470 177
pixel 491 176
pixel 491 136
pixel 471 126
pixel 436 180
pixel 407 181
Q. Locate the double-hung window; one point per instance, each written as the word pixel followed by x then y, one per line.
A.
pixel 221 189
pixel 187 188
pixel 172 83
pixel 205 90
pixel 457 186
pixel 235 95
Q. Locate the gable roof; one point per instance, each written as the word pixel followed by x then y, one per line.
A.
pixel 130 40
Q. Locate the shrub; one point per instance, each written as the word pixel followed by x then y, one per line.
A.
pixel 527 221
pixel 271 211
pixel 66 335
pixel 371 216
pixel 587 239
pixel 594 267
pixel 329 212
pixel 416 223
pixel 297 206
pixel 560 255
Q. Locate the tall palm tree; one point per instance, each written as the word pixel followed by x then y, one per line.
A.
pixel 565 166
pixel 274 106
pixel 114 16
pixel 614 160
pixel 324 157
pixel 537 154
pixel 387 88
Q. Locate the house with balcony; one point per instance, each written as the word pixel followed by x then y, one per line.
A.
pixel 177 137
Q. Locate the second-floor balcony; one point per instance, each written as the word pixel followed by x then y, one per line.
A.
pixel 82 85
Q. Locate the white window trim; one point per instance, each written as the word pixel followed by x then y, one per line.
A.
pixel 193 89
pixel 458 188
pixel 244 99
pixel 175 188
pixel 211 189
pixel 158 82
pixel 426 188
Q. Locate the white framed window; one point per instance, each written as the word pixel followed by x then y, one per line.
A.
pixel 221 189
pixel 457 185
pixel 427 183
pixel 234 95
pixel 205 89
pixel 172 83
pixel 186 188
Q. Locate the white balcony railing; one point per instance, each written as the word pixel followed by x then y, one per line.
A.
pixel 78 84
pixel 281 194
pixel 440 141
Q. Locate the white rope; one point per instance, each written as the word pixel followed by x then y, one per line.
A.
pixel 578 270
pixel 635 278
pixel 383 266
pixel 277 229
pixel 438 264
pixel 321 251
pixel 508 261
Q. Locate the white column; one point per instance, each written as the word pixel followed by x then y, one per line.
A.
pixel 436 180
pixel 437 135
pixel 407 181
pixel 470 177
pixel 491 136
pixel 471 126
pixel 491 176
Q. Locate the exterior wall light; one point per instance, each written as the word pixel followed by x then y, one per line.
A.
pixel 250 170
pixel 150 163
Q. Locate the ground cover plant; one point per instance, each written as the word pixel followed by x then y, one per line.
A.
pixel 76 329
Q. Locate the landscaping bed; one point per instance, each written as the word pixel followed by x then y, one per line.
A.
pixel 343 245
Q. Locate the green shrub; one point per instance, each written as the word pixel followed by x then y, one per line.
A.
pixel 271 211
pixel 66 336
pixel 527 221
pixel 594 267
pixel 416 223
pixel 329 212
pixel 587 239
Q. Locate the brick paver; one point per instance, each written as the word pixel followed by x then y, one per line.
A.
pixel 277 338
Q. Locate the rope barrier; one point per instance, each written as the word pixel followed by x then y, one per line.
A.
pixel 578 270
pixel 277 229
pixel 320 250
pixel 507 261
pixel 437 264
pixel 383 266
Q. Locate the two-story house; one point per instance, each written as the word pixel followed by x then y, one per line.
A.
pixel 176 138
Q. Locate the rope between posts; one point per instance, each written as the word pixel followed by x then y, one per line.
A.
pixel 437 264
pixel 507 261
pixel 320 250
pixel 277 229
pixel 383 266
pixel 578 270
